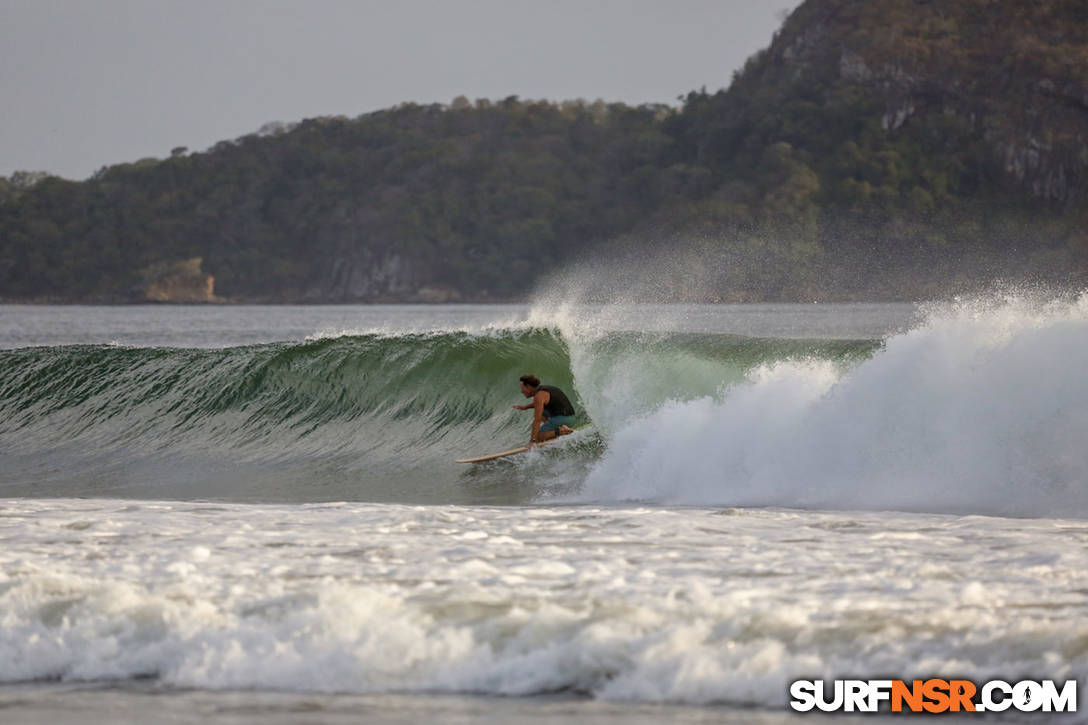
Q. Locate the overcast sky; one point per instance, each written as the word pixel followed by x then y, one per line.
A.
pixel 88 83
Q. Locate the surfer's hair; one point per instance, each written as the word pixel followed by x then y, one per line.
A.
pixel 531 380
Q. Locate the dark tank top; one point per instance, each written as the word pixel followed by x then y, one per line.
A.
pixel 558 403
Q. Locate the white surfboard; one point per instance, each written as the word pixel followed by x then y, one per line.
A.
pixel 514 451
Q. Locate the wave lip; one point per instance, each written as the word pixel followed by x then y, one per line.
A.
pixel 981 408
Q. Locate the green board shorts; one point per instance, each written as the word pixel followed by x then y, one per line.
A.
pixel 554 423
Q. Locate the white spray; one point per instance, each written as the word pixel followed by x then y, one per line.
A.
pixel 981 408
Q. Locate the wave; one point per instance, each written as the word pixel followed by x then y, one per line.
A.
pixel 981 408
pixel 377 416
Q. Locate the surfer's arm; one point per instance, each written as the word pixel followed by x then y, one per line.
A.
pixel 539 402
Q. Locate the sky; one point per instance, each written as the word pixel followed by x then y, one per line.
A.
pixel 90 83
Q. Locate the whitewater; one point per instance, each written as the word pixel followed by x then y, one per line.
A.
pixel 254 512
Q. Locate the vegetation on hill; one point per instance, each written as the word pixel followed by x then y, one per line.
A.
pixel 877 150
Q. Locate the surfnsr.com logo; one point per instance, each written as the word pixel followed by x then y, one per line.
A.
pixel 933 696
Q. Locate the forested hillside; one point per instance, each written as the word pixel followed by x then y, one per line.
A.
pixel 441 200
pixel 878 150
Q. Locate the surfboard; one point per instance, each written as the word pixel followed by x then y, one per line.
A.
pixel 515 451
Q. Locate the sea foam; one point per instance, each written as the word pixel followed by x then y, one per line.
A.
pixel 643 604
pixel 982 407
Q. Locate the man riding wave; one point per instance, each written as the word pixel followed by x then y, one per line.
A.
pixel 553 414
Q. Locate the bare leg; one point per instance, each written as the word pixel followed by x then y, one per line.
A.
pixel 547 435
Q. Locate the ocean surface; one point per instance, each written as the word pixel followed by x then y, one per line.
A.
pixel 253 513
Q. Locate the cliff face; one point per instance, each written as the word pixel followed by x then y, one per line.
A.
pixel 179 282
pixel 365 275
pixel 182 290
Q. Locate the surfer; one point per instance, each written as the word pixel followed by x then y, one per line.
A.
pixel 553 413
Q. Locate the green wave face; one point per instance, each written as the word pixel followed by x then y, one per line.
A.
pixel 374 418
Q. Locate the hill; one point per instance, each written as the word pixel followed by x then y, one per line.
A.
pixel 887 150
pixel 913 145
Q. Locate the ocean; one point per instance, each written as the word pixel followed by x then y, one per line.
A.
pixel 254 513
